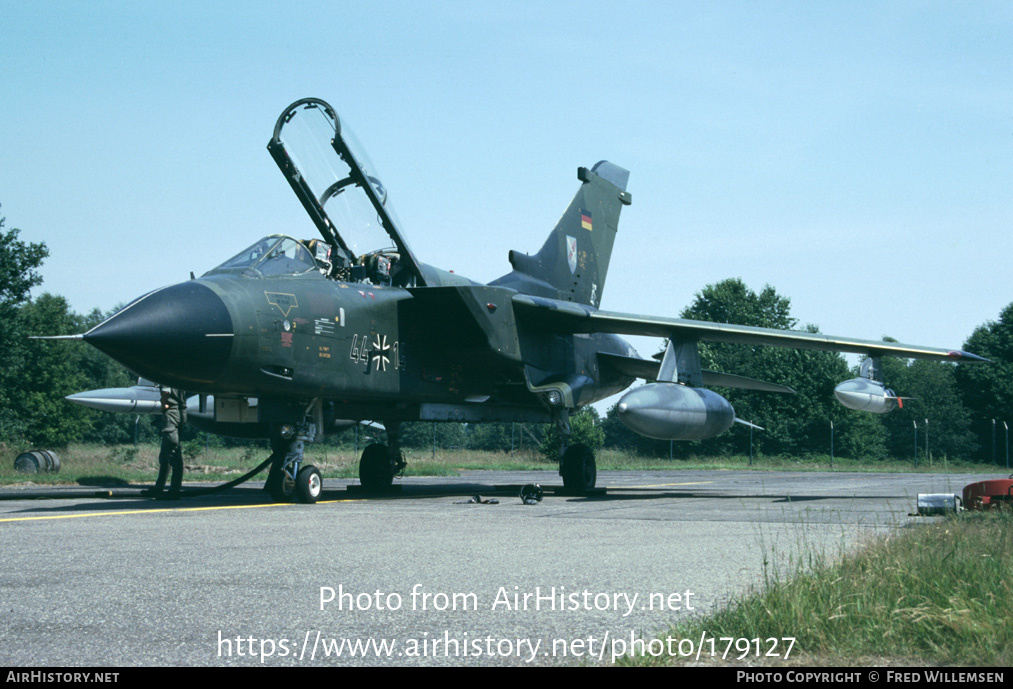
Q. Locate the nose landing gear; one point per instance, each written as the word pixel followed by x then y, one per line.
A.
pixel 290 479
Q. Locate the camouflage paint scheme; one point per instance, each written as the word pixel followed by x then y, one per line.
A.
pixel 289 331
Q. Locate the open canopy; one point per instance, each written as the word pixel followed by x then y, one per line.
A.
pixel 340 189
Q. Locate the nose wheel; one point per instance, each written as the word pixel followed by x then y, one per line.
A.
pixel 308 484
pixel 282 487
pixel 290 479
pixel 305 487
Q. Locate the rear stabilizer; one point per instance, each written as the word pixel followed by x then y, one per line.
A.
pixel 573 262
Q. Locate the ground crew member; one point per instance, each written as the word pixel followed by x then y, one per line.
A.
pixel 171 456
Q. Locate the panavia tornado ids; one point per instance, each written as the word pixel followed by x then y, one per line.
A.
pixel 300 336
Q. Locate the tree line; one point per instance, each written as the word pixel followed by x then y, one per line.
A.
pixel 956 411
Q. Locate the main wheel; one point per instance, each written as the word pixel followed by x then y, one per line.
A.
pixel 308 484
pixel 374 468
pixel 579 469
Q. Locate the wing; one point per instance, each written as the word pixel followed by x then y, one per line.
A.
pixel 567 317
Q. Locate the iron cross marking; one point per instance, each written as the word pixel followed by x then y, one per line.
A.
pixel 380 347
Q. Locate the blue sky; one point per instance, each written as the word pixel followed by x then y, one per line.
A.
pixel 856 156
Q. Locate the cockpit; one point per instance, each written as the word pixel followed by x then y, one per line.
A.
pixel 277 255
pixel 270 256
pixel 344 197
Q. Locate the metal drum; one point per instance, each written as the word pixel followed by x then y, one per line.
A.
pixel 37 462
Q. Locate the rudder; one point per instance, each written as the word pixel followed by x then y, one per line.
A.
pixel 573 262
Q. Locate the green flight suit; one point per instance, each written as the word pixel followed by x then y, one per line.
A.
pixel 171 456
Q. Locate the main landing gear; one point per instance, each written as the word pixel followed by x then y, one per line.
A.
pixel 576 462
pixel 578 469
pixel 381 463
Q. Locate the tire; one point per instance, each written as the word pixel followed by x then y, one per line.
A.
pixel 374 468
pixel 282 488
pixel 308 485
pixel 580 472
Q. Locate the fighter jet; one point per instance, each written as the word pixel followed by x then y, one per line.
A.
pixel 293 334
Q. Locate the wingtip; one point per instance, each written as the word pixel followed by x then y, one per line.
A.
pixel 960 355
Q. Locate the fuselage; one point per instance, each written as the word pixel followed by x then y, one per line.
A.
pixel 374 350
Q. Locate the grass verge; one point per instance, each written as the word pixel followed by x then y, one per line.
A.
pixel 119 464
pixel 939 593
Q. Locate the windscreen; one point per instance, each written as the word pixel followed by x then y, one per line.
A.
pixel 271 256
pixel 251 255
pixel 288 257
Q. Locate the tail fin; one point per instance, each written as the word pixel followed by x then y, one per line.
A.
pixel 573 262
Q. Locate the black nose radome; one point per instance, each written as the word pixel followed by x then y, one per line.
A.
pixel 179 335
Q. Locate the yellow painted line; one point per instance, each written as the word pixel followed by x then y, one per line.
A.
pixel 663 485
pixel 176 509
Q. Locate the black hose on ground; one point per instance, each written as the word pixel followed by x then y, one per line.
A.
pixel 225 486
